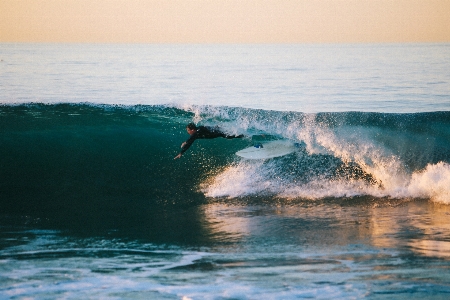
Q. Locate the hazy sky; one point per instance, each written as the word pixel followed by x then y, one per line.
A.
pixel 225 21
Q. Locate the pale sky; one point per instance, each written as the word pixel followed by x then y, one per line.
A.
pixel 225 21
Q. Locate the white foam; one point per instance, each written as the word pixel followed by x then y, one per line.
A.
pixel 358 145
pixel 253 178
pixel 433 182
pixel 236 180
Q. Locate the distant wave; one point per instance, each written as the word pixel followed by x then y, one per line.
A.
pixel 80 157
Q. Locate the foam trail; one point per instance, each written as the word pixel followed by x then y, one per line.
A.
pixel 257 178
pixel 234 181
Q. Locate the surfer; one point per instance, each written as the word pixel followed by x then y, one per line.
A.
pixel 203 132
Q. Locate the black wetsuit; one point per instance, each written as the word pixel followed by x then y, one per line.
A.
pixel 204 132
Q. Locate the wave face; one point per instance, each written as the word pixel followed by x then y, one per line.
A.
pixel 64 159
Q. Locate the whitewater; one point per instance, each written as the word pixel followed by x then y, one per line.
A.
pixel 94 206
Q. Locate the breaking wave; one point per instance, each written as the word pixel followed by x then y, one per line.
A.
pixel 72 155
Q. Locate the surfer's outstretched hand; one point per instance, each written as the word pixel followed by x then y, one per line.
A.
pixel 179 155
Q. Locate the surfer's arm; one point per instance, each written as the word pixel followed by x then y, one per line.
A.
pixel 186 145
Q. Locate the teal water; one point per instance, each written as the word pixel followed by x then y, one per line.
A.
pixel 94 206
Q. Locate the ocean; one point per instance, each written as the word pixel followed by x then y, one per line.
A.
pixel 94 206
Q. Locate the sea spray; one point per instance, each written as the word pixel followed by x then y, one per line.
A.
pixel 433 182
pixel 350 154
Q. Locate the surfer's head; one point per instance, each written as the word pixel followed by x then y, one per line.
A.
pixel 191 128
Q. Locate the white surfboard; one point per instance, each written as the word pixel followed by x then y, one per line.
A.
pixel 268 150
